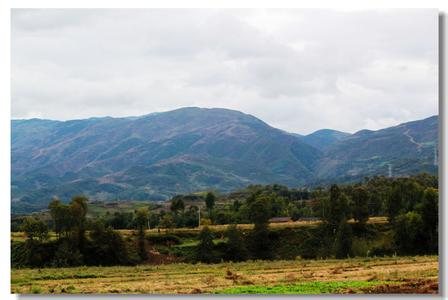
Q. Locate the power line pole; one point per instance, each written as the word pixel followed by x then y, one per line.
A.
pixel 199 217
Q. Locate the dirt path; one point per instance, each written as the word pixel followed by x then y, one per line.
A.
pixel 411 139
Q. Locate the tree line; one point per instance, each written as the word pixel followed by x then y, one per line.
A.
pixel 411 205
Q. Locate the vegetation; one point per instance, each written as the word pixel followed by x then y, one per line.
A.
pixel 279 276
pixel 339 222
pixel 409 203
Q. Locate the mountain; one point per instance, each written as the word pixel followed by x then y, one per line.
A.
pixel 156 156
pixel 153 156
pixel 324 138
pixel 408 148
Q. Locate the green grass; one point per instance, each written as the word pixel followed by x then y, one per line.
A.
pixel 316 287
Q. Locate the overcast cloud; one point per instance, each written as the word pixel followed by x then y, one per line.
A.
pixel 298 70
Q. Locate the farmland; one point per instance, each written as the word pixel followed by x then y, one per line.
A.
pixel 20 236
pixel 418 274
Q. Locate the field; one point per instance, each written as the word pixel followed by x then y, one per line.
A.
pixel 20 236
pixel 358 275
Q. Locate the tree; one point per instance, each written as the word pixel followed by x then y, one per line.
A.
pixel 205 248
pixel 394 202
pixel 278 205
pixel 430 217
pixel 177 204
pixel 60 214
pixel 167 221
pixel 259 214
pixel 107 246
pixel 141 220
pixel 35 229
pixel 343 240
pixel 210 201
pixel 336 209
pixel 360 198
pixel 260 211
pixel 408 232
pixel 78 212
pixel 236 249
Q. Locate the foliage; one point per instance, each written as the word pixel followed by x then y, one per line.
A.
pixel 210 199
pixel 35 229
pixel 205 248
pixel 343 240
pixel 236 249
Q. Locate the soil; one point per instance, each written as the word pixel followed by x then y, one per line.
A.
pixel 427 286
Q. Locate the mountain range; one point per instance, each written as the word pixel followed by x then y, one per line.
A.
pixel 156 156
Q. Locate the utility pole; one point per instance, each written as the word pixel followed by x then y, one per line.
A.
pixel 199 217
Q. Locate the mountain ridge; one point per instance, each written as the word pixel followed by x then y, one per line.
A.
pixel 156 156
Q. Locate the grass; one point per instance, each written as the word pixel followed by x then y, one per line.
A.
pixel 283 276
pixel 306 288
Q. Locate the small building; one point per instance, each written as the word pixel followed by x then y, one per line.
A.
pixel 280 220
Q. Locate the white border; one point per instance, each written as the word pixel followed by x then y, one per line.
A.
pixel 5 109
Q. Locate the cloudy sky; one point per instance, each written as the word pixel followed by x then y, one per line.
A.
pixel 298 70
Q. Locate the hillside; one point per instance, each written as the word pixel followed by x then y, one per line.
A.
pixel 324 138
pixel 407 148
pixel 153 156
pixel 156 156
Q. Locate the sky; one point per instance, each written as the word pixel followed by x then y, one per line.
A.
pixel 299 70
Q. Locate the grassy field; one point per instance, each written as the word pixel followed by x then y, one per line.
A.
pixel 358 275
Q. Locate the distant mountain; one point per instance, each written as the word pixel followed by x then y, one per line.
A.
pixel 190 149
pixel 152 157
pixel 324 138
pixel 406 149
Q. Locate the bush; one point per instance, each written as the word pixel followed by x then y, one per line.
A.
pixel 409 237
pixel 164 239
pixel 106 248
pixel 67 255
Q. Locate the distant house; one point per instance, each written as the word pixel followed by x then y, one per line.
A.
pixel 279 220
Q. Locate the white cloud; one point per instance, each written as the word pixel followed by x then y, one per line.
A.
pixel 299 70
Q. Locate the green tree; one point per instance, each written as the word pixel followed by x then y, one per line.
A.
pixel 337 208
pixel 205 248
pixel 141 220
pixel 408 233
pixel 107 246
pixel 210 199
pixel 394 202
pixel 35 229
pixel 236 249
pixel 259 214
pixel 177 204
pixel 62 219
pixel 167 221
pixel 360 198
pixel 430 217
pixel 343 240
pixel 260 211
pixel 78 212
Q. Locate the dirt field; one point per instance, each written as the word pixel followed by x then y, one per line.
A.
pixel 359 275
